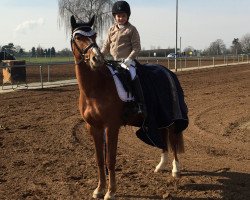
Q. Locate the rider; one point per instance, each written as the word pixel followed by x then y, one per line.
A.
pixel 123 43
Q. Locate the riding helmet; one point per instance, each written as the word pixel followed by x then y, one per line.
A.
pixel 121 7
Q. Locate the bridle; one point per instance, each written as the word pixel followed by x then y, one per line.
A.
pixel 85 50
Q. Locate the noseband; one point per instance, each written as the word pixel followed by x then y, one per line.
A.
pixel 83 51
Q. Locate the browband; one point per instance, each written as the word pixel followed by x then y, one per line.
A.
pixel 84 33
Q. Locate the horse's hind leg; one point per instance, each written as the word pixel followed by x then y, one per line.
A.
pixel 111 145
pixel 97 135
pixel 164 155
pixel 163 162
pixel 177 146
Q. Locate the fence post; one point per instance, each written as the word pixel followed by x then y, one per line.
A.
pixel 168 64
pixel 213 62
pixel 48 73
pixel 41 76
pixel 180 64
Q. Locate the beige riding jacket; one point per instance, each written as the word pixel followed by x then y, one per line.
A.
pixel 122 43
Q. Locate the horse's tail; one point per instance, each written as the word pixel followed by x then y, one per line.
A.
pixel 175 141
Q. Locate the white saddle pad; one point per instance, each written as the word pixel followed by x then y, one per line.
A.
pixel 124 96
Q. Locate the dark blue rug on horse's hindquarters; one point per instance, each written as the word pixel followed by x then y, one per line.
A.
pixel 165 103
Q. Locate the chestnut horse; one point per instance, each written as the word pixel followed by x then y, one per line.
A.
pixel 102 109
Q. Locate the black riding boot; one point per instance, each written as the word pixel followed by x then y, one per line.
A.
pixel 139 98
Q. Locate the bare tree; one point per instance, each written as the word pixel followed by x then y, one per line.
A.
pixel 245 43
pixel 83 10
pixel 217 47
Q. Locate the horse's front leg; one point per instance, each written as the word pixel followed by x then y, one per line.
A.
pixel 111 142
pixel 97 135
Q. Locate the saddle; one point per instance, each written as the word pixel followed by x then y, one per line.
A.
pixel 122 74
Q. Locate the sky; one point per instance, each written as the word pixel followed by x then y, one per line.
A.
pixel 33 23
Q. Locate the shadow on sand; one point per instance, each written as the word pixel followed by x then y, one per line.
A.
pixel 230 185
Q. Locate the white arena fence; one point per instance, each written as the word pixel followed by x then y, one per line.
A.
pixel 38 75
pixel 196 62
pixel 41 75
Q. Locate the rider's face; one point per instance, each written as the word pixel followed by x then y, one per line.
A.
pixel 121 18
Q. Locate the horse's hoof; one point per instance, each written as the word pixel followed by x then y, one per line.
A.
pixel 176 169
pixel 160 167
pixel 176 174
pixel 98 193
pixel 109 196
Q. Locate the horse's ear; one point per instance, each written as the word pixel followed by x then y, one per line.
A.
pixel 91 22
pixel 73 22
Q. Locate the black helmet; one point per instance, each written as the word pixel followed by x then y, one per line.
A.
pixel 121 7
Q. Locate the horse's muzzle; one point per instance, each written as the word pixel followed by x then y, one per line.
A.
pixel 96 61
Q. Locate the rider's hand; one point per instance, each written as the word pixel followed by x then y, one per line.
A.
pixel 128 62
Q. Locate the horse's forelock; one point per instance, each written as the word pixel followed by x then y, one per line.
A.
pixel 83 27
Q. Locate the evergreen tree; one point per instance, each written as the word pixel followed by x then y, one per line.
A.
pixel 10 48
pixel 33 52
pixel 53 52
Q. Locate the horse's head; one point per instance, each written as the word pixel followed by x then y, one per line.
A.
pixel 83 43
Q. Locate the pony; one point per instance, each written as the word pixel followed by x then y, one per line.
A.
pixel 102 109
